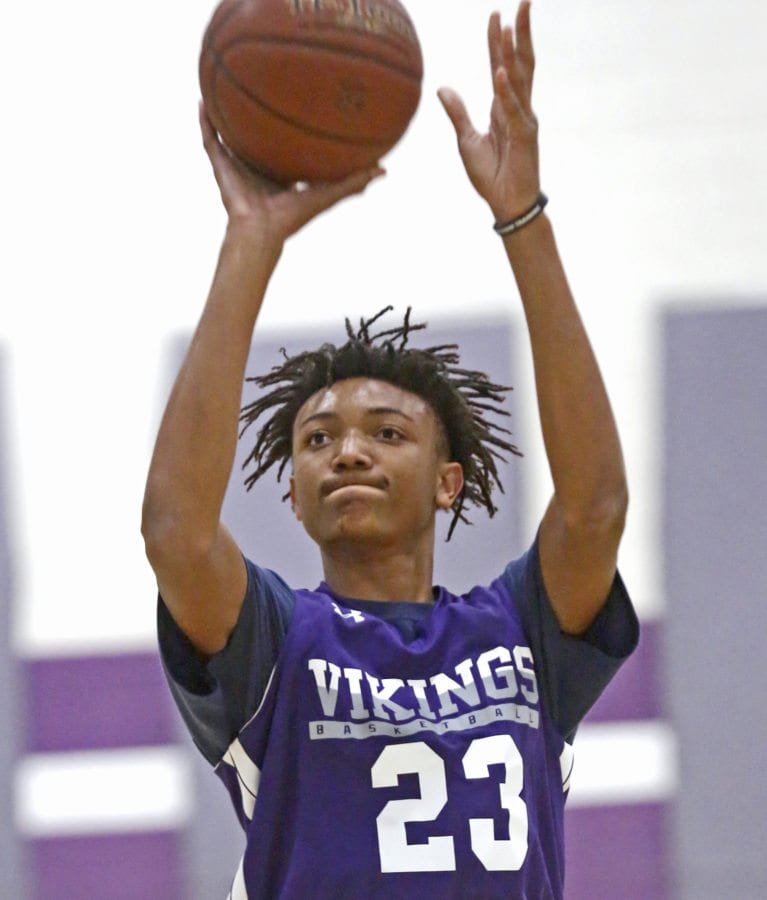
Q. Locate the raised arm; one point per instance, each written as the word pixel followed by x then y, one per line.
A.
pixel 199 568
pixel 583 524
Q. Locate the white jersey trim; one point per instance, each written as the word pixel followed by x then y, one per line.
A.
pixel 248 775
pixel 566 762
pixel 238 890
pixel 263 698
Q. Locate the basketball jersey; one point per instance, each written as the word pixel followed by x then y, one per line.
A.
pixel 384 766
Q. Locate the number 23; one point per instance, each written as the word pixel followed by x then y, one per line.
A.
pixel 438 853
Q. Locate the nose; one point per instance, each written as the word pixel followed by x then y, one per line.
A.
pixel 353 453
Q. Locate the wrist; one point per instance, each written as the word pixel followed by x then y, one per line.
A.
pixel 530 234
pixel 507 226
pixel 250 240
pixel 531 248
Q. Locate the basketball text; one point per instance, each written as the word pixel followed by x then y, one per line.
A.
pixel 379 18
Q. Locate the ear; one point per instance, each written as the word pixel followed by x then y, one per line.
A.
pixel 449 484
pixel 293 501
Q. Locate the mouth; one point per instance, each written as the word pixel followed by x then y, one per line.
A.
pixel 351 488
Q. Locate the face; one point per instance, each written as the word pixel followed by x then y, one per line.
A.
pixel 369 465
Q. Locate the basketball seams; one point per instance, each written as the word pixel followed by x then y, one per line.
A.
pixel 224 71
pixel 329 29
pixel 385 62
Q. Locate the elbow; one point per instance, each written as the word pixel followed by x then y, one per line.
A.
pixel 611 511
pixel 169 534
pixel 157 526
pixel 603 515
pixel 160 533
pixel 168 541
pixel 175 526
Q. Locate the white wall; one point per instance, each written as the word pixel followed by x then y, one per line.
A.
pixel 654 134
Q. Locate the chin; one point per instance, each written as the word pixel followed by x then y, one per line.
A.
pixel 351 529
pixel 356 532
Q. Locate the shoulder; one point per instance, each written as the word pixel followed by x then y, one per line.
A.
pixel 615 631
pixel 217 694
pixel 574 670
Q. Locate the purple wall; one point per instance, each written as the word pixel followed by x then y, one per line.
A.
pixel 715 545
pixel 101 703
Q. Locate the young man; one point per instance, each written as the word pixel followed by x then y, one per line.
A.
pixel 381 737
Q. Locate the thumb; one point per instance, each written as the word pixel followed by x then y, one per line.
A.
pixel 318 198
pixel 355 183
pixel 456 111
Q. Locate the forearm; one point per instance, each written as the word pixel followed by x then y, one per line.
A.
pixel 582 527
pixel 197 439
pixel 579 431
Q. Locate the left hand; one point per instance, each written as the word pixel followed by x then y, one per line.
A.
pixel 503 164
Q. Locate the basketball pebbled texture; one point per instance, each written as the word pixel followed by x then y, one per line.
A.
pixel 310 90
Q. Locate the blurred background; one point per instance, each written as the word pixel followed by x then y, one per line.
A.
pixel 653 126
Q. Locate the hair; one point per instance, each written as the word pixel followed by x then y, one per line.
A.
pixel 460 398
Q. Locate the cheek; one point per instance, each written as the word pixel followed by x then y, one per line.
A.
pixel 303 483
pixel 420 483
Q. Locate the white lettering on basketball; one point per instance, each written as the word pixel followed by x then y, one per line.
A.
pixel 366 14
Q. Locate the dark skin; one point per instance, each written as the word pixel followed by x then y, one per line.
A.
pixel 369 472
pixel 198 565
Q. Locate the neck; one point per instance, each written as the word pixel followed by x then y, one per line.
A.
pixel 364 572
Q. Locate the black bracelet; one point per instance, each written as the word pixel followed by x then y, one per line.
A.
pixel 504 228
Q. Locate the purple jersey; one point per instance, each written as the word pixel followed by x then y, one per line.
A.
pixel 381 766
pixel 398 749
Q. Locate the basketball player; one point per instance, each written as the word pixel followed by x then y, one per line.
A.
pixel 380 737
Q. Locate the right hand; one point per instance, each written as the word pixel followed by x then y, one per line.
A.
pixel 258 204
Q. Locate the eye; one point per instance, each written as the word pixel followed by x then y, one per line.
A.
pixel 318 439
pixel 390 433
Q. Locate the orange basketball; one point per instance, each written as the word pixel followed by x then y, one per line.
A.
pixel 310 90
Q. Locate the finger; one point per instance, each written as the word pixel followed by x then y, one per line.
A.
pixel 210 140
pixel 456 111
pixel 206 127
pixel 524 48
pixel 216 154
pixel 354 183
pixel 321 197
pixel 508 95
pixel 494 43
pixel 514 68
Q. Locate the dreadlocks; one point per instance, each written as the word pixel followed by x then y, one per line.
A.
pixel 459 397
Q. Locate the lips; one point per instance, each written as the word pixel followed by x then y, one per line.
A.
pixel 336 484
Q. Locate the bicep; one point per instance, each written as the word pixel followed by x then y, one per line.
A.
pixel 578 565
pixel 203 588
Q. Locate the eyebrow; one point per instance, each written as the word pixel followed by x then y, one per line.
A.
pixel 372 411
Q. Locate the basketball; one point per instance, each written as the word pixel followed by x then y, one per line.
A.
pixel 310 90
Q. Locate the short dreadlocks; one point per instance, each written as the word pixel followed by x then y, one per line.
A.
pixel 459 397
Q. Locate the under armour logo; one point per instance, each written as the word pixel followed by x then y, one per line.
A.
pixel 354 614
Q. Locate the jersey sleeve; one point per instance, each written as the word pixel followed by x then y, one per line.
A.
pixel 216 695
pixel 573 670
